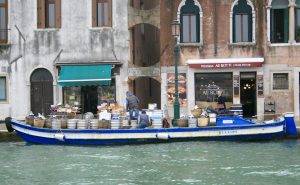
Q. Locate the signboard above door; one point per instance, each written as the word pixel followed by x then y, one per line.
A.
pixel 225 63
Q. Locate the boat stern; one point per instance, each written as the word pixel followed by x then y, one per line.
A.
pixel 290 125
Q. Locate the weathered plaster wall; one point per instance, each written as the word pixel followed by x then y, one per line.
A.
pixel 216 44
pixel 78 41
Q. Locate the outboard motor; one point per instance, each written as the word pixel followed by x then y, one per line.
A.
pixel 290 126
pixel 8 124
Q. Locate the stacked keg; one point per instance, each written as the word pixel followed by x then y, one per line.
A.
pixel 115 121
pixel 193 122
pixel 56 124
pixel 82 124
pixel 156 118
pixel 72 123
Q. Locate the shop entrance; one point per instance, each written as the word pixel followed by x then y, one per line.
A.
pixel 41 91
pixel 248 93
pixel 89 98
pixel 148 91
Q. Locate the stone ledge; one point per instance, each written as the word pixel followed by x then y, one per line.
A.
pixel 8 137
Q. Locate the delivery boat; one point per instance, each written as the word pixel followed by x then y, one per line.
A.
pixel 227 128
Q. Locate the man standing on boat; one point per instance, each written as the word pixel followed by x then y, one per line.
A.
pixel 132 105
pixel 221 106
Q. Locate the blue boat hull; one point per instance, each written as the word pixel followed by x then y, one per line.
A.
pixel 239 130
pixel 107 142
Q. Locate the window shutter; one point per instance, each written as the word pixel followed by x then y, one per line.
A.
pixel 110 13
pixel 94 13
pixel 58 13
pixel 41 13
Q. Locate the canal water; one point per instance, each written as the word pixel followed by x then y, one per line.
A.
pixel 260 163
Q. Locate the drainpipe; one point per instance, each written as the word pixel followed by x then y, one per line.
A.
pixel 215 29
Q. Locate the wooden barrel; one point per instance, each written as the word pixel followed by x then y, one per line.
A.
pixel 94 124
pixel 81 124
pixel 56 124
pixel 64 123
pixel 48 123
pixel 72 124
pixel 182 122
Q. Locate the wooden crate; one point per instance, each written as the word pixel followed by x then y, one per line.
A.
pixel 29 121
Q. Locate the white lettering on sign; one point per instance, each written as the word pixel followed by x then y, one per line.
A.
pixel 226 65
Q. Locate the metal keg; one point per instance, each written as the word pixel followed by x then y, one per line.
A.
pixel 72 123
pixel 115 121
pixel 156 118
pixel 193 122
pixel 56 124
pixel 81 124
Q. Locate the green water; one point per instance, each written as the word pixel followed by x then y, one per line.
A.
pixel 177 163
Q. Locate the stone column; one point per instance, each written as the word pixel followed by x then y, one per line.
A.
pixel 292 5
pixel 237 99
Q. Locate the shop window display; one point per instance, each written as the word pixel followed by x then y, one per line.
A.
pixel 207 86
pixel 89 97
pixel 72 95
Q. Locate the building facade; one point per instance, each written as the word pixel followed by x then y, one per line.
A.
pixel 248 49
pixel 43 39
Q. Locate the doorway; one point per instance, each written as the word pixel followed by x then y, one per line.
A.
pixel 248 93
pixel 89 98
pixel 148 90
pixel 41 91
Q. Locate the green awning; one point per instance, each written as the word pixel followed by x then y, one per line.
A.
pixel 84 75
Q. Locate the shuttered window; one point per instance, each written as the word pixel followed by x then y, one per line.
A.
pixel 49 13
pixel 102 13
pixel 3 88
pixel 241 28
pixel 189 31
pixel 242 22
pixel 280 21
pixel 190 23
pixel 3 21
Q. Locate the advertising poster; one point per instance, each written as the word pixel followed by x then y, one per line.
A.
pixel 181 89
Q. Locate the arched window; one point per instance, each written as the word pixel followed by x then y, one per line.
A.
pixel 243 21
pixel 279 21
pixel 190 22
